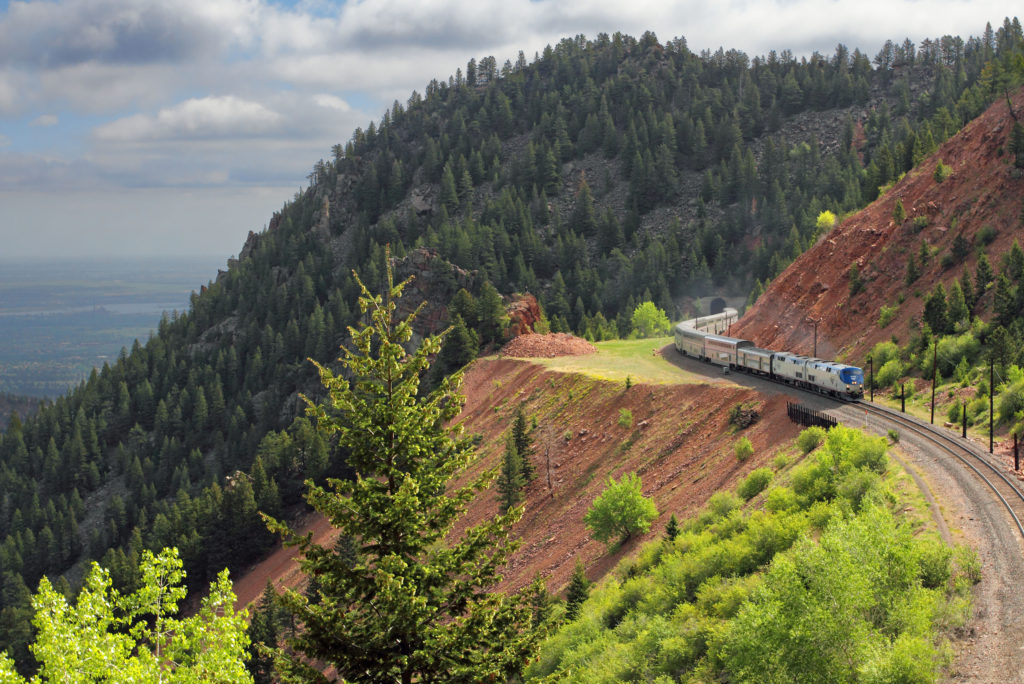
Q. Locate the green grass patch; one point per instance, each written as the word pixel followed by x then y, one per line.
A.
pixel 617 360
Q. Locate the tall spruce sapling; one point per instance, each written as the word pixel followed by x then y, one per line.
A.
pixel 672 528
pixel 417 605
pixel 510 478
pixel 523 439
pixel 577 592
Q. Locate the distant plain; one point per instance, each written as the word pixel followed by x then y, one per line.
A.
pixel 59 319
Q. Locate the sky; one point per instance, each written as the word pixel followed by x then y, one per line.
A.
pixel 173 127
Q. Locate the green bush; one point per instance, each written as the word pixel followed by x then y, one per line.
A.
pixel 810 439
pixel 856 485
pixel 956 412
pixel 889 373
pixel 886 314
pixel 620 511
pixel 985 236
pixel 625 418
pixel 942 172
pixel 934 563
pixel 781 499
pixel 781 461
pixel 1011 402
pixel 743 449
pixel 722 504
pixel 755 483
pixel 883 352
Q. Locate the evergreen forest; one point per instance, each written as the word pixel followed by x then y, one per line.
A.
pixel 601 173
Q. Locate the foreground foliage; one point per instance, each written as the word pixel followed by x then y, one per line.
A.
pixel 403 602
pixel 825 584
pixel 109 637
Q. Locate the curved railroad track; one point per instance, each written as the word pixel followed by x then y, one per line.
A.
pixel 1008 491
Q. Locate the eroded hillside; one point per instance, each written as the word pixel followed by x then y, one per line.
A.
pixel 982 195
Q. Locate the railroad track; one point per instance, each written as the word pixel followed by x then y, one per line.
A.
pixel 1006 489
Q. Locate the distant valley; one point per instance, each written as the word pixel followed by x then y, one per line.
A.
pixel 59 319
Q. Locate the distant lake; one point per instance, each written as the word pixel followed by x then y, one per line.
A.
pixel 61 318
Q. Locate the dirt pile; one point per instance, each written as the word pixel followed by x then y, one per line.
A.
pixel 814 293
pixel 553 344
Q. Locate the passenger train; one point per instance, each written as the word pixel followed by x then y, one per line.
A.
pixel 701 338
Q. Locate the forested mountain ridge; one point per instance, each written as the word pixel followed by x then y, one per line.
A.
pixel 603 173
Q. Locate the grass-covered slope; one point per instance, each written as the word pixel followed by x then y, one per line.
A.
pixel 821 577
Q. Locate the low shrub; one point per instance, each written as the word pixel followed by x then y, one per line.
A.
pixel 1011 402
pixel 886 315
pixel 810 439
pixel 625 418
pixel 743 449
pixel 889 373
pixel 985 236
pixel 755 483
pixel 883 352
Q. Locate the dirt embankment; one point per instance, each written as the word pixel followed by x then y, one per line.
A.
pixel 678 441
pixel 983 191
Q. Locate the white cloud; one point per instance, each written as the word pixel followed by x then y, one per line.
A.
pixel 197 118
pixel 44 120
pixel 331 102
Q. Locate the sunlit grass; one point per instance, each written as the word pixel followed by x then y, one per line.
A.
pixel 618 359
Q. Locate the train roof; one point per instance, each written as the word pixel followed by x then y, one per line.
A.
pixel 727 340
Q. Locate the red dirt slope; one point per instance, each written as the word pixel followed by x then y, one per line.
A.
pixel 984 190
pixel 679 443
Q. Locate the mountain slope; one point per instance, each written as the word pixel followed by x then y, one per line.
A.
pixel 983 194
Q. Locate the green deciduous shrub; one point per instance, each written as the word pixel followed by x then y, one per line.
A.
pixel 620 511
pixel 743 449
pixel 810 439
pixel 889 373
pixel 755 483
pixel 886 314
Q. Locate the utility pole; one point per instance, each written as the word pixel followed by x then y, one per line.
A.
pixel 1016 454
pixel 903 397
pixel 963 416
pixel 815 354
pixel 871 377
pixel 991 389
pixel 935 373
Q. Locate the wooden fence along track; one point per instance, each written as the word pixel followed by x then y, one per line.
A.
pixel 1008 491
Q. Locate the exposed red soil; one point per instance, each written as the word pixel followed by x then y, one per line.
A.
pixel 679 443
pixel 984 190
pixel 554 344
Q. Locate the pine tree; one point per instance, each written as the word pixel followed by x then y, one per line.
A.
pixel 523 442
pixel 578 591
pixel 983 276
pixel 417 605
pixel 672 529
pixel 899 214
pixel 510 478
pixel 936 313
